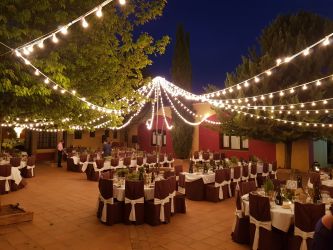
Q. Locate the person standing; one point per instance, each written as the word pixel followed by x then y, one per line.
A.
pixel 60 148
pixel 106 148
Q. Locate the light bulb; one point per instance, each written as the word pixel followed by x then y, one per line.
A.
pixel 318 83
pixel 256 79
pixel 41 44
pixel 47 80
pixel 304 87
pixel 246 84
pixel 292 91
pixel 37 72
pixel 27 62
pixel 306 52
pixel 73 92
pixel 55 87
pixel 287 59
pixel 268 72
pixel 55 38
pixel 26 52
pixel 326 41
pixel 271 95
pixel 84 23
pixel 31 48
pixel 122 2
pixel 278 61
pixel 99 12
pixel 64 30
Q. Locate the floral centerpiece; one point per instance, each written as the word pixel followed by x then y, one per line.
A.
pixel 234 161
pixel 269 188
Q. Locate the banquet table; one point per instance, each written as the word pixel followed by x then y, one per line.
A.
pixel 328 183
pixel 282 218
pixel 195 184
pixel 119 192
pixel 15 173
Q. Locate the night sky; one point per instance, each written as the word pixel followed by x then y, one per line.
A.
pixel 221 32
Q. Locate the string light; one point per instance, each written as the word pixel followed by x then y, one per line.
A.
pixel 63 30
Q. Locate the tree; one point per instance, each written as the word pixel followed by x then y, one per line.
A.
pixel 285 36
pixel 102 63
pixel 182 133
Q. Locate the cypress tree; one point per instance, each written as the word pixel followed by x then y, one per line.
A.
pixel 182 133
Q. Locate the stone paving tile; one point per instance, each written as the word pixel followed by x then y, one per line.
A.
pixel 64 206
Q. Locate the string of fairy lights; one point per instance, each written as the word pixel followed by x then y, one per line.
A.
pixel 39 42
pixel 164 89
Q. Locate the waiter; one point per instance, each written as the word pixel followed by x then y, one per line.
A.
pixel 60 148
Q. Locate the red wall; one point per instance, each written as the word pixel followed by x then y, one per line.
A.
pixel 144 136
pixel 209 139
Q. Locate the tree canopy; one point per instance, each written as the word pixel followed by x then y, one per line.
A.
pixel 102 63
pixel 285 36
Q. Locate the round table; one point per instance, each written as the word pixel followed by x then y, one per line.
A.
pixel 119 192
pixel 282 218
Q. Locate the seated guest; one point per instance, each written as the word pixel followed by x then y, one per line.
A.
pixel 323 237
pixel 106 148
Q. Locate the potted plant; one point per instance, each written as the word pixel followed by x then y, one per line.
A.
pixel 269 188
pixel 234 161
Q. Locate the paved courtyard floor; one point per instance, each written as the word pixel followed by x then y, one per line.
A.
pixel 64 206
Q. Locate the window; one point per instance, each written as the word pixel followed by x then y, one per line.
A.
pixel 233 142
pixel 158 138
pixel 46 140
pixel 92 133
pixel 78 134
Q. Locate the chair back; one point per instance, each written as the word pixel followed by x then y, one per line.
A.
pixel 259 207
pixel 127 161
pixel 108 175
pixel 307 215
pixel 205 156
pixel 5 170
pixel 114 162
pixel 168 174
pixel 139 161
pixel 31 160
pixel 105 188
pixel 178 169
pixel 161 189
pixel 151 159
pixel 196 155
pixel 274 166
pixel 15 161
pixel 265 168
pixel 247 187
pixel 216 156
pixel 245 170
pixel 226 174
pixel 172 184
pixel 100 163
pixel 237 172
pixel 170 157
pixel 83 158
pixel 219 176
pixel 253 168
pixel 134 189
pixel 181 180
pixel 161 158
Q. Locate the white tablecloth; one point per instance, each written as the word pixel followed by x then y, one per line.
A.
pixel 207 178
pixel 328 183
pixel 119 193
pixel 16 175
pixel 76 159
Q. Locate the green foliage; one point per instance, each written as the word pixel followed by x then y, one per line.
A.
pixel 285 36
pixel 182 133
pixel 103 62
pixel 234 160
pixel 122 172
pixel 133 176
pixel 268 185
